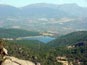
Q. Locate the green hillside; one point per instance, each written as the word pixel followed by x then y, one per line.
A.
pixel 69 39
pixel 13 33
pixel 25 49
pixel 46 55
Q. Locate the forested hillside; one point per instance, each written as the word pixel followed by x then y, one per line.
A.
pixel 14 33
pixel 47 55
pixel 69 39
pixel 75 50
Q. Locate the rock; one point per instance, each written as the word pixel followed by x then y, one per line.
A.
pixel 10 60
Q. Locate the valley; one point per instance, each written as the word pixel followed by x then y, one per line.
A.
pixel 47 33
pixel 54 25
pixel 46 48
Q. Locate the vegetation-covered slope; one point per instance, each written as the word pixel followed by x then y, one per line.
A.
pixel 14 33
pixel 27 49
pixel 46 54
pixel 69 39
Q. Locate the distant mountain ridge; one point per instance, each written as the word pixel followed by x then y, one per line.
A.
pixel 42 17
pixel 7 10
pixel 44 10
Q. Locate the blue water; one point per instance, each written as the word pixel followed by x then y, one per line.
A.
pixel 44 39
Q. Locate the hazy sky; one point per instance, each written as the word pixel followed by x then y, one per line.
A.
pixel 20 3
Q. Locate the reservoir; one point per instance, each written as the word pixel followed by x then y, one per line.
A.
pixel 44 39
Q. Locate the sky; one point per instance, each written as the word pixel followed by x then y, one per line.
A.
pixel 21 3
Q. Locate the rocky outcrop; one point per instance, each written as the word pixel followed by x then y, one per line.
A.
pixel 63 60
pixel 10 60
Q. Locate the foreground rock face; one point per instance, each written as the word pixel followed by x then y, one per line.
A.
pixel 8 60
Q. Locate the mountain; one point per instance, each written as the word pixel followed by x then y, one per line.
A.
pixel 69 39
pixel 44 10
pixel 14 33
pixel 74 10
pixel 7 10
pixel 42 17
